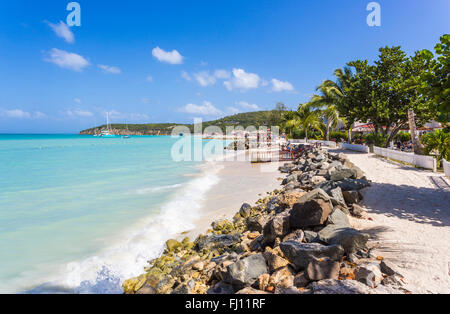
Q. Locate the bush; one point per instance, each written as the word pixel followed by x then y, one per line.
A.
pixel 402 137
pixel 337 136
pixel 437 142
pixel 375 139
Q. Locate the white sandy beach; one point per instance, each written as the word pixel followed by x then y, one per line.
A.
pixel 410 212
pixel 240 182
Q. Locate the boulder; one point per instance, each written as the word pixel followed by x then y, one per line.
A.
pixel 389 268
pixel 165 285
pixel 214 242
pixel 333 286
pixel 297 235
pixel 246 271
pixel 369 274
pixel 338 218
pixel 282 277
pixel 342 174
pixel 300 280
pixel 256 223
pixel 184 288
pixel 310 236
pixel 289 198
pixel 245 210
pixel 350 239
pixel 353 184
pixel 274 261
pixel 172 245
pixel 300 254
pixel 337 197
pixel 311 213
pixel 352 197
pixel 146 289
pixel 319 269
pixel 277 227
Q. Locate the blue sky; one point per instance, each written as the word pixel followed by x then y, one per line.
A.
pixel 171 61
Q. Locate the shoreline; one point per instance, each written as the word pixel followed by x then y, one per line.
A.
pixel 282 244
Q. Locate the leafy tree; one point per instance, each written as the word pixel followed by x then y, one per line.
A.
pixel 437 142
pixel 309 119
pixel 436 81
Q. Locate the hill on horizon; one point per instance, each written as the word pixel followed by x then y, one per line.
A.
pixel 246 119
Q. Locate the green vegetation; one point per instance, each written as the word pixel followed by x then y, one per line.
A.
pixel 394 92
pixel 257 119
pixel 437 143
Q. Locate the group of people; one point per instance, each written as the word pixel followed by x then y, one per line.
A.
pixel 406 146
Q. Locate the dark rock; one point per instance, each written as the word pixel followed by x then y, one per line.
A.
pixel 300 280
pixel 337 197
pixel 352 197
pixel 300 254
pixel 388 268
pixel 256 223
pixel 353 184
pixel 245 210
pixel 277 227
pixel 311 213
pixel 350 239
pixel 342 174
pixel 338 218
pixel 310 236
pixel 246 271
pixel 214 242
pixel 333 286
pixel 319 269
pixel 221 288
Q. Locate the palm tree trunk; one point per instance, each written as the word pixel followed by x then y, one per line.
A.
pixel 306 135
pixel 412 129
pixel 328 131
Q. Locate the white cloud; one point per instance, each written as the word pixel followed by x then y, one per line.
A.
pixel 222 74
pixel 67 60
pixel 242 80
pixel 206 109
pixel 173 57
pixel 279 86
pixel 79 113
pixel 77 100
pixel 247 106
pixel 149 79
pixel 204 78
pixel 63 31
pixel 110 69
pixel 233 110
pixel 21 114
pixel 186 76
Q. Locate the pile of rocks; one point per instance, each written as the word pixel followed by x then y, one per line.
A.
pixel 297 240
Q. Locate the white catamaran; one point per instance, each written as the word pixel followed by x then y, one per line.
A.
pixel 107 132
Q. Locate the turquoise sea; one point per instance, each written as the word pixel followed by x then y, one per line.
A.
pixel 81 214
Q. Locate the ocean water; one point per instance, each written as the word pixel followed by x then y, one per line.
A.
pixel 80 214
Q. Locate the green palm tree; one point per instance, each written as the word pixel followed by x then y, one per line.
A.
pixel 437 142
pixel 309 119
pixel 330 95
pixel 326 102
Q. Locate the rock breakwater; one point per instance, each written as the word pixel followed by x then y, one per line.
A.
pixel 296 240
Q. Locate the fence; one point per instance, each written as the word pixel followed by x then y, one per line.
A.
pixel 325 143
pixel 446 165
pixel 427 162
pixel 358 148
